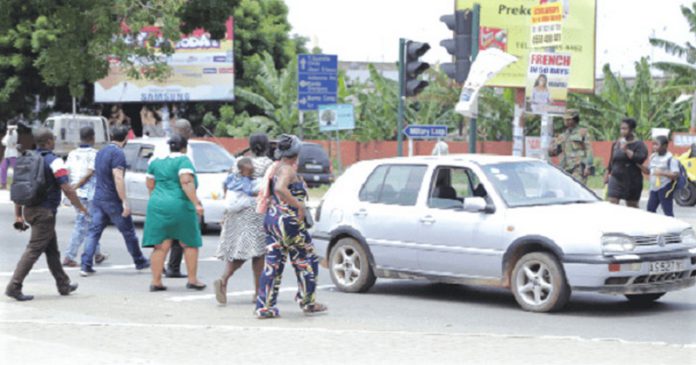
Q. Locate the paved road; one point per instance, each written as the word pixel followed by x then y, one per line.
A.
pixel 113 319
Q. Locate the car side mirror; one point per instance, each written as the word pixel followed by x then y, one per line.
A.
pixel 477 204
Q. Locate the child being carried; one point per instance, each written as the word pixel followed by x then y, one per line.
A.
pixel 240 188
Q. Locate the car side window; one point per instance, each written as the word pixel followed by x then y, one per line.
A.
pixel 449 187
pixel 143 159
pixel 131 152
pixel 373 186
pixel 399 185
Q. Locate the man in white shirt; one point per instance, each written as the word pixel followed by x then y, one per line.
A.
pixel 80 163
pixel 10 158
pixel 664 170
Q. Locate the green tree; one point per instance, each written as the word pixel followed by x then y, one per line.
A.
pixel 646 100
pixel 684 73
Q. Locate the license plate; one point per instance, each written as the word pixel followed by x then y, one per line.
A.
pixel 311 166
pixel 316 177
pixel 665 266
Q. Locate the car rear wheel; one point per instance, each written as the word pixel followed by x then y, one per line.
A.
pixel 686 196
pixel 539 284
pixel 350 268
pixel 644 298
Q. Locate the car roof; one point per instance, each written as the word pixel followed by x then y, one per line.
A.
pixel 481 159
pixel 162 141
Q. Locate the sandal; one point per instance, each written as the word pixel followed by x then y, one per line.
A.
pixel 263 313
pixel 220 295
pixel 314 308
pixel 154 288
pixel 196 286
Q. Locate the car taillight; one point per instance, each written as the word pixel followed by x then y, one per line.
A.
pixel 317 215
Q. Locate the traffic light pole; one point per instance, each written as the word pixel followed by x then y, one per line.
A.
pixel 474 52
pixel 402 96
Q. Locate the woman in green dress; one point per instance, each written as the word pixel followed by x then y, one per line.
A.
pixel 173 212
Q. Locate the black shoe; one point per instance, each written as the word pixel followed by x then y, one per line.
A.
pixel 71 288
pixel 87 271
pixel 158 288
pixel 195 286
pixel 174 274
pixel 19 296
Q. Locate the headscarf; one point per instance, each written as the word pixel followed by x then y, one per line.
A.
pixel 288 146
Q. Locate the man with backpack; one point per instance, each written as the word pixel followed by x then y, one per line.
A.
pixel 36 191
pixel 109 203
pixel 664 171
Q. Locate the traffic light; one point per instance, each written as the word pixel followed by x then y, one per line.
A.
pixel 460 46
pixel 413 67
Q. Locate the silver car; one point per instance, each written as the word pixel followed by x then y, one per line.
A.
pixel 500 221
pixel 212 164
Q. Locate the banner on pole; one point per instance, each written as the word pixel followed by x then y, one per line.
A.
pixel 488 63
pixel 547 25
pixel 547 83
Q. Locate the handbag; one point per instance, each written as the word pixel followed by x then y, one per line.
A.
pixel 236 201
pixel 308 219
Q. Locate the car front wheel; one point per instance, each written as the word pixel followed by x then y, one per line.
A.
pixel 686 196
pixel 539 283
pixel 350 268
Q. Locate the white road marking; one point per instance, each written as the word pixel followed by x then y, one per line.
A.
pixel 241 293
pixel 99 268
pixel 334 331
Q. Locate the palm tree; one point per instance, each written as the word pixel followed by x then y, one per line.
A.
pixel 685 73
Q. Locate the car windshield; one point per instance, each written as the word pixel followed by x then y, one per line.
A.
pixel 531 183
pixel 210 158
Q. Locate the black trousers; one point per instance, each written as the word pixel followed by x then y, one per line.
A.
pixel 175 255
pixel 43 241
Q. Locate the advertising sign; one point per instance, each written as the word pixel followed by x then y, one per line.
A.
pixel 201 69
pixel 547 83
pixel 547 21
pixel 336 117
pixel 532 147
pixel 506 24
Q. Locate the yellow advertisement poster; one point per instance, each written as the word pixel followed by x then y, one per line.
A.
pixel 507 24
pixel 547 25
pixel 202 69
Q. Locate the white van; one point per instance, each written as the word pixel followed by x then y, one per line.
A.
pixel 66 128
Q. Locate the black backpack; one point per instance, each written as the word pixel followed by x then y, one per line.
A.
pixel 29 181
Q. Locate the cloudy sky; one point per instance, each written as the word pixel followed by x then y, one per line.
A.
pixel 368 30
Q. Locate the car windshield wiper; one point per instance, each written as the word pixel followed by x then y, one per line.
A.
pixel 575 202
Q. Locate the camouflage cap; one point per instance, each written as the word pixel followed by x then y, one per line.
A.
pixel 571 113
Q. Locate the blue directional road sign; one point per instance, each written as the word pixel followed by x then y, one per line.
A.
pixel 426 131
pixel 317 80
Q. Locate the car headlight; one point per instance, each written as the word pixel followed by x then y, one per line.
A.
pixel 688 237
pixel 617 244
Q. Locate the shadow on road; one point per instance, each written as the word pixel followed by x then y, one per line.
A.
pixel 580 304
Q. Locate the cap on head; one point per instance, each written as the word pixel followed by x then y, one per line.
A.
pixel 571 114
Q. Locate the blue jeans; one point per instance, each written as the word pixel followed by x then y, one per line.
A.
pixel 660 198
pixel 102 213
pixel 82 222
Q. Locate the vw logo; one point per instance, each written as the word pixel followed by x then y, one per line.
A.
pixel 661 241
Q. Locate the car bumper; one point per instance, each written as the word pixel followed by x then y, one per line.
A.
pixel 630 274
pixel 316 178
pixel 213 210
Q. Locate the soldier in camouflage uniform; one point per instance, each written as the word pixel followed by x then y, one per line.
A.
pixel 574 144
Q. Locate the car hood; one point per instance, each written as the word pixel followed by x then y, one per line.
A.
pixel 599 217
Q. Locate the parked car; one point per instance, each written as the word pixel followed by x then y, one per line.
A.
pixel 212 164
pixel 313 163
pixel 500 221
pixel 66 128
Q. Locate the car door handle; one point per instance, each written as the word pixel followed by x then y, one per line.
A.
pixel 360 213
pixel 427 220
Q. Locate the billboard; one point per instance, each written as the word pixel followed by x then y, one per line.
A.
pixel 201 69
pixel 507 24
